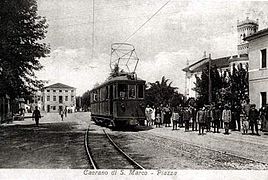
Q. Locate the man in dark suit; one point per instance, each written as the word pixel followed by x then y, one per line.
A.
pixel 36 115
pixel 253 119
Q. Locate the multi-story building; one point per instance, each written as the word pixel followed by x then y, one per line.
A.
pixel 57 97
pixel 258 67
pixel 244 28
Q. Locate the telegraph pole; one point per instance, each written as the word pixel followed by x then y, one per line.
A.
pixel 209 79
pixel 93 28
pixel 185 82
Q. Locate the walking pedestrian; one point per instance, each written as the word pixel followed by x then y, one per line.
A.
pixel 226 117
pixel 200 118
pixel 65 111
pixel 61 114
pixel 253 119
pixel 36 115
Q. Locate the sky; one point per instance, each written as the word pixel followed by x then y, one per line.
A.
pixel 180 32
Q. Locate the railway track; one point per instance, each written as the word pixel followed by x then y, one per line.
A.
pixel 104 153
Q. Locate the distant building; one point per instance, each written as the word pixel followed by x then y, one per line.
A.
pixel 244 28
pixel 258 72
pixel 58 96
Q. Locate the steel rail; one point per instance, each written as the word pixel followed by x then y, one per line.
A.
pixel 121 151
pixel 92 163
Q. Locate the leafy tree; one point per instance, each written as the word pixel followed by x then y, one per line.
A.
pixel 162 93
pixel 226 88
pixel 21 32
pixel 85 100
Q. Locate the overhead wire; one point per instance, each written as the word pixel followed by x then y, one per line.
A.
pixel 146 21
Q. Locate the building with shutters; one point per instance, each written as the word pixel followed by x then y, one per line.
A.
pixel 57 97
pixel 258 71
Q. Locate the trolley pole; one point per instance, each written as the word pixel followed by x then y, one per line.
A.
pixel 209 79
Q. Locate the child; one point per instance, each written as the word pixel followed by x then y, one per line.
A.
pixel 245 124
pixel 158 117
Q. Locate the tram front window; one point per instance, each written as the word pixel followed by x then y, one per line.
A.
pixel 132 92
pixel 140 91
pixel 122 91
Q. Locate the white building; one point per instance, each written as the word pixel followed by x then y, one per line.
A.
pixel 58 96
pixel 244 28
pixel 258 72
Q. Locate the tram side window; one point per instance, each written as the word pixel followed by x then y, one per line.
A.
pixel 91 97
pixel 122 91
pixel 95 97
pixel 140 91
pixel 104 93
pixel 131 92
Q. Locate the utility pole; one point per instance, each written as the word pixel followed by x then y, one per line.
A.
pixel 185 82
pixel 209 79
pixel 93 28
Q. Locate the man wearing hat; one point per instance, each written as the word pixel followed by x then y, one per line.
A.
pixel 253 119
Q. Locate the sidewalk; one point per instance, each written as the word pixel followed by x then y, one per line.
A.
pixel 249 146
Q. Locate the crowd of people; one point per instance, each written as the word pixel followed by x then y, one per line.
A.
pixel 209 118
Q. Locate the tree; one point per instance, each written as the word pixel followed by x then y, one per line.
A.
pixel 227 87
pixel 162 93
pixel 21 32
pixel 85 100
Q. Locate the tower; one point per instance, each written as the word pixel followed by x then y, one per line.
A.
pixel 244 29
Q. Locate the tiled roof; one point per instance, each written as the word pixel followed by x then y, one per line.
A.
pixel 60 85
pixel 219 62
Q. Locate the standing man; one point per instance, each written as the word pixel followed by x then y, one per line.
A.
pixel 186 118
pixel 208 116
pixel 194 124
pixel 200 118
pixel 216 116
pixel 36 115
pixel 226 117
pixel 253 119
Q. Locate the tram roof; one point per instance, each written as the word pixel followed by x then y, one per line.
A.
pixel 124 78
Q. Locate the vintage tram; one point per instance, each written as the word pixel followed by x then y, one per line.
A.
pixel 119 101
